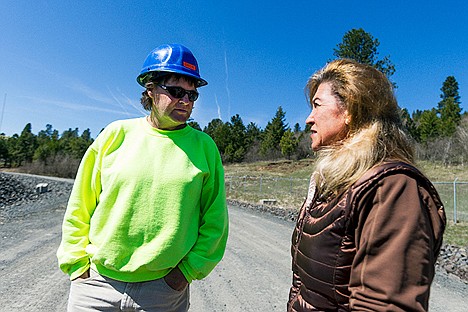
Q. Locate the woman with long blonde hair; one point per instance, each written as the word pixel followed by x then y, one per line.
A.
pixel 368 235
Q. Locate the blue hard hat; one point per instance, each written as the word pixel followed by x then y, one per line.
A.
pixel 170 58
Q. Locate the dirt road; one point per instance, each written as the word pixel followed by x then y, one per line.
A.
pixel 253 276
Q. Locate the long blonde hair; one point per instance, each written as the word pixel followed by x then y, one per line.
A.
pixel 375 131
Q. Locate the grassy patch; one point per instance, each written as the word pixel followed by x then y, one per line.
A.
pixel 303 168
pixel 287 182
pixel 438 172
pixel 456 234
pixel 279 168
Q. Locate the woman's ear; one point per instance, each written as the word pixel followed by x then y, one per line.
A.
pixel 347 118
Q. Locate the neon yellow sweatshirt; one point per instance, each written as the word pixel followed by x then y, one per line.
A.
pixel 145 201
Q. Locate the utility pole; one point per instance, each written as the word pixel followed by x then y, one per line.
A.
pixel 3 111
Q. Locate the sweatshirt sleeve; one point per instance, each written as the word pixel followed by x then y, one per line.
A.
pixel 394 263
pixel 213 229
pixel 71 254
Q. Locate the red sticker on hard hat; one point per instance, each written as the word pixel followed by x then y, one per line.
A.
pixel 191 66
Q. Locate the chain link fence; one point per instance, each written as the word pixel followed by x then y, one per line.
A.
pixel 454 196
pixel 291 192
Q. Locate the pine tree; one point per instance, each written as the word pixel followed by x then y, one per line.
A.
pixel 4 155
pixel 361 46
pixel 297 128
pixel 81 144
pixel 449 107
pixel 253 134
pixel 48 145
pixel 449 117
pixel 219 132
pixel 25 145
pixel 288 144
pixel 450 89
pixel 429 125
pixel 237 145
pixel 66 141
pixel 274 131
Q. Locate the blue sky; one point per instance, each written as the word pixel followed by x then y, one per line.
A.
pixel 73 64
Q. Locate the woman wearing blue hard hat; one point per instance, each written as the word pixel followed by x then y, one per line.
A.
pixel 147 214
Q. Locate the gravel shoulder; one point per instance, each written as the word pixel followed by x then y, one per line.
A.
pixel 253 276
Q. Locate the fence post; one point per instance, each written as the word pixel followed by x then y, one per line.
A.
pixel 455 200
pixel 261 181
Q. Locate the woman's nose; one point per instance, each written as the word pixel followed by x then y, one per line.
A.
pixel 310 118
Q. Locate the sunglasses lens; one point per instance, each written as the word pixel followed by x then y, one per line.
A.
pixel 176 92
pixel 179 93
pixel 192 95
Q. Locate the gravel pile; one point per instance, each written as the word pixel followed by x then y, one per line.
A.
pixel 19 199
pixel 452 259
pixel 14 191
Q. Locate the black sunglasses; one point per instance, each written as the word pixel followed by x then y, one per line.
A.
pixel 178 92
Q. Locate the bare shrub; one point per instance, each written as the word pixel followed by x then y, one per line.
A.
pixel 63 166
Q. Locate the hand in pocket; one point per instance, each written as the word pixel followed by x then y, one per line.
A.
pixel 85 275
pixel 176 280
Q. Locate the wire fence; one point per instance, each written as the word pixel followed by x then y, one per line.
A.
pixel 291 192
pixel 454 196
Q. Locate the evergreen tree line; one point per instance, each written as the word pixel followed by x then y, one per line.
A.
pixel 48 152
pixel 238 142
pixel 440 133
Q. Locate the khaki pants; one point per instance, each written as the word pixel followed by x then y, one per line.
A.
pixel 99 293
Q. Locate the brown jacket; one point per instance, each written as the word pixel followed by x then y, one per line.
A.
pixel 373 248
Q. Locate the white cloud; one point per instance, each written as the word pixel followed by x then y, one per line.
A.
pixel 88 92
pixel 73 106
